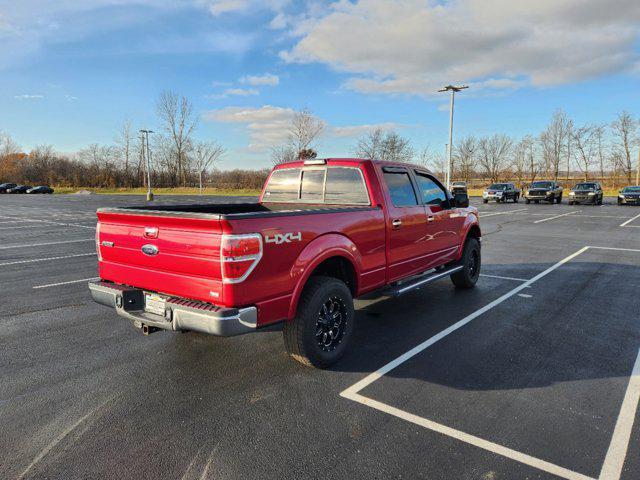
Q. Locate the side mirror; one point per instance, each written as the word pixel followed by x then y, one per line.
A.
pixel 461 200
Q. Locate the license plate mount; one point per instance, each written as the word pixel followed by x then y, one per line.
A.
pixel 154 304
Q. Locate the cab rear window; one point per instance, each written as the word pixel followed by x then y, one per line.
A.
pixel 328 185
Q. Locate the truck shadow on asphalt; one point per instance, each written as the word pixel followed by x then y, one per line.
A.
pixel 578 323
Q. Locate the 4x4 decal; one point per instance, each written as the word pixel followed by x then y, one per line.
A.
pixel 280 238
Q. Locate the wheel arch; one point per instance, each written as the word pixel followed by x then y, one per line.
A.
pixel 472 231
pixel 331 255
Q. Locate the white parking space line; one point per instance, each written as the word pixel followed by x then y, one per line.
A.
pixel 48 222
pixel 500 213
pixel 556 216
pixel 503 278
pixel 33 260
pixel 620 440
pixel 14 221
pixel 616 249
pixel 372 377
pixel 65 283
pixel 4 247
pixel 581 216
pixel 470 439
pixel 612 468
pixel 629 221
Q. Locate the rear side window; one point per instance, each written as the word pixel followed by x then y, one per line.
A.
pixel 342 186
pixel 400 188
pixel 431 192
pixel 345 186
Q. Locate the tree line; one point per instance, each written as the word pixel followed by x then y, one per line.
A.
pixel 607 152
pixel 563 150
pixel 177 158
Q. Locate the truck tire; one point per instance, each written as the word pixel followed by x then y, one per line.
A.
pixel 559 199
pixel 527 201
pixel 323 326
pixel 516 198
pixel 485 200
pixel 471 262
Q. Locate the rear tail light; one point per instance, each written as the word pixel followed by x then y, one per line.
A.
pixel 239 255
pixel 98 242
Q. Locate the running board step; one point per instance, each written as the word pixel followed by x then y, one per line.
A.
pixel 399 288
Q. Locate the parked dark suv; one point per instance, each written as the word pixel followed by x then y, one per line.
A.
pixel 18 189
pixel 459 187
pixel 40 189
pixel 501 192
pixel 6 186
pixel 544 190
pixel 629 196
pixel 586 192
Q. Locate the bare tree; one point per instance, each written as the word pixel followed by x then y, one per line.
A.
pixel 41 164
pixel 387 146
pixel 434 161
pixel 176 115
pixel 283 154
pixel 598 135
pixel 7 145
pixel 205 156
pixel 125 148
pixel 585 144
pixel 305 130
pixel 524 163
pixel 625 134
pixel 493 155
pixel 554 141
pixel 101 162
pixel 464 156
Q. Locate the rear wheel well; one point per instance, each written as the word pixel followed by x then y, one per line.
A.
pixel 474 232
pixel 340 268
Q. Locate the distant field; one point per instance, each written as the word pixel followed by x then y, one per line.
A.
pixel 159 191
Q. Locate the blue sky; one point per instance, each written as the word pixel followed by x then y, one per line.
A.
pixel 71 72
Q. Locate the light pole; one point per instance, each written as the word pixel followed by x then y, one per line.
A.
pixel 453 89
pixel 145 146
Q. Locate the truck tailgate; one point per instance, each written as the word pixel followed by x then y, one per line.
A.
pixel 177 254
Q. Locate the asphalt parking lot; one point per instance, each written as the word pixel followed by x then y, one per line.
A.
pixel 533 374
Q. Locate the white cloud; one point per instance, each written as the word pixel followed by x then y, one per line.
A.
pixel 243 92
pixel 268 126
pixel 29 96
pixel 30 26
pixel 239 92
pixel 359 130
pixel 266 79
pixel 219 7
pixel 415 47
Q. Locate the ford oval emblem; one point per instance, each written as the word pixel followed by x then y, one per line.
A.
pixel 149 250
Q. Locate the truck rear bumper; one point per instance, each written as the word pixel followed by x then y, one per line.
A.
pixel 180 314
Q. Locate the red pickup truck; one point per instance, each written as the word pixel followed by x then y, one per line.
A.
pixel 322 233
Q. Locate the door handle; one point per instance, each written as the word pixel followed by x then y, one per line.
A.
pixel 396 223
pixel 429 218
